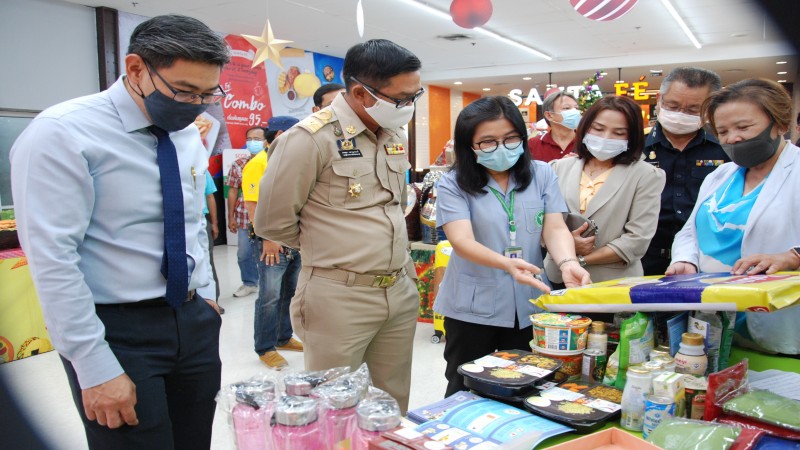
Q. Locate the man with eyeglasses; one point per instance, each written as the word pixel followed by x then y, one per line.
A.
pixel 333 189
pixel 680 146
pixel 109 192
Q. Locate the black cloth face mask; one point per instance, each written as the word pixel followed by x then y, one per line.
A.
pixel 754 151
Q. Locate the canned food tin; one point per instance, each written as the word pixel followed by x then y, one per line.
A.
pixel 593 367
pixel 656 409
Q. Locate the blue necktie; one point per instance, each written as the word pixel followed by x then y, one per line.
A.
pixel 173 264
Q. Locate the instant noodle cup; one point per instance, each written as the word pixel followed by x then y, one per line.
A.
pixel 571 363
pixel 560 332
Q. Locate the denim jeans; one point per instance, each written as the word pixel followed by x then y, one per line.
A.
pixel 276 286
pixel 248 259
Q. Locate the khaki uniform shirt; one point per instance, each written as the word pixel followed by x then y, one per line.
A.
pixel 333 188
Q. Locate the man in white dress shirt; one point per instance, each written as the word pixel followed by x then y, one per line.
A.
pixel 109 191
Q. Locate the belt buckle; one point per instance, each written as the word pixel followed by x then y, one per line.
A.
pixel 384 281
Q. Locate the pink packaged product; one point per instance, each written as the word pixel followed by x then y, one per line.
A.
pixel 337 411
pixel 721 385
pixel 296 425
pixel 373 418
pixel 250 405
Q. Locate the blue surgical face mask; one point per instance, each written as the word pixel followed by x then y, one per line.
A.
pixel 570 118
pixel 255 146
pixel 501 159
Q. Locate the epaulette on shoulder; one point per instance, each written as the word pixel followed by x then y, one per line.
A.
pixel 316 121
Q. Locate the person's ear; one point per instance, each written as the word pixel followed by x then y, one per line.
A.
pixel 315 108
pixel 135 69
pixel 280 132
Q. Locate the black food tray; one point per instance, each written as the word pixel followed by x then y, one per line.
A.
pixel 508 373
pixel 584 406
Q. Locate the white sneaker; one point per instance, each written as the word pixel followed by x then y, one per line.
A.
pixel 245 290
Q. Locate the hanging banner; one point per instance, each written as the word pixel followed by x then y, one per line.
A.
pixel 328 68
pixel 247 104
pixel 291 89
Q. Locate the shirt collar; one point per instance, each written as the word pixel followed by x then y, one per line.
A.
pixel 657 136
pixel 351 125
pixel 132 117
pixel 512 184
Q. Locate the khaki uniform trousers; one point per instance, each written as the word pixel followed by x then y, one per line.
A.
pixel 347 326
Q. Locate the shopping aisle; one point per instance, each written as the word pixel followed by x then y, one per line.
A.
pixel 41 386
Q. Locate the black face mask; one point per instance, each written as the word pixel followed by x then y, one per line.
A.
pixel 168 114
pixel 754 151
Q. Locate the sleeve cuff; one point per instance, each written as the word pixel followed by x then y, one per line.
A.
pixel 97 368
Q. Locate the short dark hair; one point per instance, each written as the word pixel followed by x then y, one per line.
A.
pixel 771 97
pixel 550 101
pixel 633 118
pixel 692 77
pixel 264 130
pixel 270 135
pixel 376 61
pixel 163 39
pixel 470 176
pixel 324 89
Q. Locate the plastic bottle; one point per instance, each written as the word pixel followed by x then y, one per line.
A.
pixel 637 385
pixel 374 417
pixel 691 357
pixel 709 325
pixel 251 415
pixel 338 412
pixel 598 339
pixel 296 425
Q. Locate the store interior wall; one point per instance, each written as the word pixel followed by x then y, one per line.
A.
pixel 49 52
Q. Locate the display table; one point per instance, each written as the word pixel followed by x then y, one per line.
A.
pixel 22 329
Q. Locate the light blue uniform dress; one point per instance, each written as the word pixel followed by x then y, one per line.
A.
pixel 483 295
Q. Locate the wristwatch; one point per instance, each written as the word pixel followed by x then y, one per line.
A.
pixel 581 260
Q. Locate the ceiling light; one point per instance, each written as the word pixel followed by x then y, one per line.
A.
pixel 487 89
pixel 458 83
pixel 781 81
pixel 781 62
pixel 680 22
pixel 528 78
pixel 602 74
pixel 782 73
pixel 439 13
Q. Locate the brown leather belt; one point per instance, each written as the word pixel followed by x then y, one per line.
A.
pixel 352 278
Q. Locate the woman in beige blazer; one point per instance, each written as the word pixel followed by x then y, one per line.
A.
pixel 609 183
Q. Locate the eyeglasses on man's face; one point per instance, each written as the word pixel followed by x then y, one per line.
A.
pixel 188 97
pixel 490 145
pixel 398 102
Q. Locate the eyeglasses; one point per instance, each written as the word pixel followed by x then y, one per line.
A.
pixel 398 102
pixel 490 145
pixel 189 97
pixel 693 111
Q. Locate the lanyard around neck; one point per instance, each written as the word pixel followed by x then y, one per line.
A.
pixel 509 209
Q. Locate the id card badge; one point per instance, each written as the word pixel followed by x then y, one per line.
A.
pixel 513 252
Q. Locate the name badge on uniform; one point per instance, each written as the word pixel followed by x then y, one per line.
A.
pixel 347 148
pixel 394 149
pixel 513 252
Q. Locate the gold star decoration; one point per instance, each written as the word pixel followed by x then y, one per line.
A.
pixel 267 47
pixel 355 190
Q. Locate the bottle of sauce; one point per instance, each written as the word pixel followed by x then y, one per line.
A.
pixel 691 357
pixel 598 339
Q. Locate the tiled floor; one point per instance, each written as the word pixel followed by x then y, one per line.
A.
pixel 41 387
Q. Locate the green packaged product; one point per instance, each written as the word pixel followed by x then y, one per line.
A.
pixel 685 434
pixel 636 339
pixel 766 407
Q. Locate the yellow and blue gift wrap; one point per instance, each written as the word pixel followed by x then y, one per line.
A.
pixel 702 291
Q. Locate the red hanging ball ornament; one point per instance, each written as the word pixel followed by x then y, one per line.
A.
pixel 471 13
pixel 602 10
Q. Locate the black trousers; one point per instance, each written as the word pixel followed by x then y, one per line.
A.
pixel 172 356
pixel 468 341
pixel 653 264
